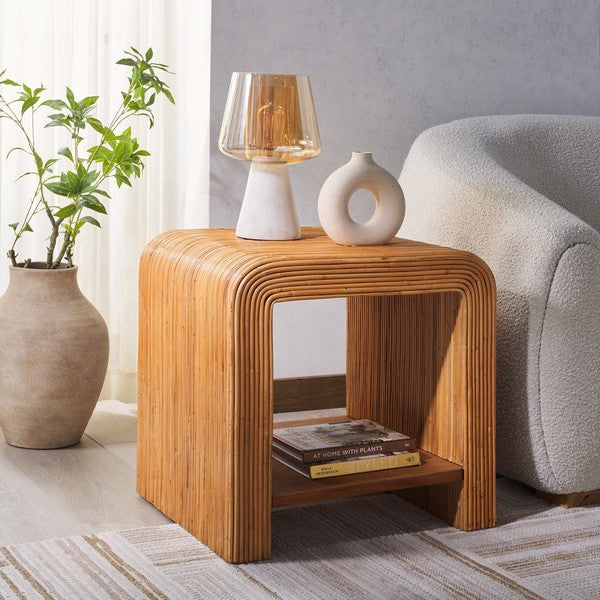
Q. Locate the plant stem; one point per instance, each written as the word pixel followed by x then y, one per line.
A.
pixel 28 216
pixel 61 254
pixel 30 142
pixel 52 242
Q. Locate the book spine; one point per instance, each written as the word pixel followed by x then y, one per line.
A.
pixel 359 451
pixel 297 466
pixel 364 465
pixel 285 449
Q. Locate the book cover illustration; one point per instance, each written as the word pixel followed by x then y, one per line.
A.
pixel 361 432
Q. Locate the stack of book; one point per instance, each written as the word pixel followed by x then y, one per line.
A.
pixel 343 448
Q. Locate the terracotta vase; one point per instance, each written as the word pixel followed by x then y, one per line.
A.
pixel 53 358
pixel 361 172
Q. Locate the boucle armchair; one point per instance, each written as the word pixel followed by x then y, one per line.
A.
pixel 523 193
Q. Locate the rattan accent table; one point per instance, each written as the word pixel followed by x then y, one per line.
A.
pixel 420 359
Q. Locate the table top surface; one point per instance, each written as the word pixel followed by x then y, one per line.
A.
pixel 314 246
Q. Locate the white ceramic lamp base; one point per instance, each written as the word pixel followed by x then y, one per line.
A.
pixel 268 211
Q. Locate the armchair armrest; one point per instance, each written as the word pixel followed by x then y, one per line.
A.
pixel 458 194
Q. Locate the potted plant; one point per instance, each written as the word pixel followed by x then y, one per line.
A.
pixel 53 342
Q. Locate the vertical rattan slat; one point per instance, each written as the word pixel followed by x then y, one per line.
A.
pixel 420 358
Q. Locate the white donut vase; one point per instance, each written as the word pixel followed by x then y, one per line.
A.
pixel 361 172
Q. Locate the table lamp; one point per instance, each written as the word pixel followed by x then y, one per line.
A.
pixel 269 120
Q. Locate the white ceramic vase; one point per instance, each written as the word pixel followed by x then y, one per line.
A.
pixel 53 358
pixel 361 172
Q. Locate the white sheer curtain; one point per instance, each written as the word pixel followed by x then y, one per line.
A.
pixel 76 43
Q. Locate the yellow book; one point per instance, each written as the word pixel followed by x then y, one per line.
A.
pixel 377 462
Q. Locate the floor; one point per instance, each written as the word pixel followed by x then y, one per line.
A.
pixel 89 488
pixel 371 547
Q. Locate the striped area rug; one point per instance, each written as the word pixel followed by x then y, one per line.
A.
pixel 377 547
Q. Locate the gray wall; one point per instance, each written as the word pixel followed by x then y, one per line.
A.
pixel 382 71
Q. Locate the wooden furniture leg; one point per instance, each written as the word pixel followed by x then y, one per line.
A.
pixel 572 500
pixel 205 403
pixel 422 364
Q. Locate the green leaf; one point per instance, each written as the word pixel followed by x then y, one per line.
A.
pixel 66 151
pixel 168 94
pixel 73 181
pixel 93 204
pixel 49 163
pixel 88 179
pixel 121 179
pixel 90 220
pixel 149 54
pixel 28 104
pixel 71 97
pixel 88 102
pixel 60 189
pixel 119 152
pixel 27 227
pixel 95 124
pixel 25 175
pixel 38 90
pixel 101 153
pixel 135 76
pixel 66 211
pixel 128 62
pixel 13 226
pixel 55 104
pixel 56 124
pixel 9 82
pixel 17 148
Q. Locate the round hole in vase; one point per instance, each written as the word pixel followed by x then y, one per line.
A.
pixel 362 206
pixel 361 172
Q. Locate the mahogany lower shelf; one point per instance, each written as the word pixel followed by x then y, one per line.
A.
pixel 291 488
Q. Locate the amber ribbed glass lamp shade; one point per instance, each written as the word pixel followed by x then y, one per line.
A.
pixel 269 120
